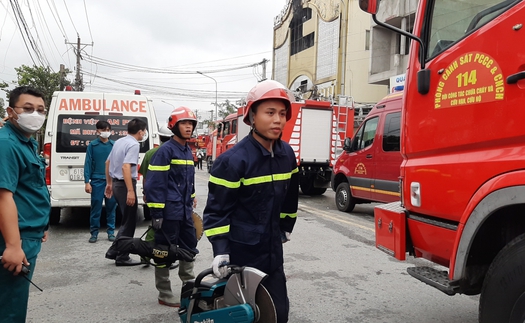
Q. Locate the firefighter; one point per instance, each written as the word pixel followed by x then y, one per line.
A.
pixel 170 193
pixel 253 194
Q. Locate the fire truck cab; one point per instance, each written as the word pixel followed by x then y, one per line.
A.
pixel 368 169
pixel 462 178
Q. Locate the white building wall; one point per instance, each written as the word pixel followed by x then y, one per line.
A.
pixel 282 55
pixel 328 47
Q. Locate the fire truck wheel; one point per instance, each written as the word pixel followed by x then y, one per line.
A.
pixel 307 186
pixel 503 293
pixel 343 198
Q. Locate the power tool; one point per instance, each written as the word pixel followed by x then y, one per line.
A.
pixel 238 298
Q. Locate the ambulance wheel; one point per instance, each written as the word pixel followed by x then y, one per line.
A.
pixel 503 293
pixel 54 215
pixel 343 198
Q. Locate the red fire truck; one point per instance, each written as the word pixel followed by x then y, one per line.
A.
pixel 316 133
pixel 462 178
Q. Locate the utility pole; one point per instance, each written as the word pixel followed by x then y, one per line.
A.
pixel 79 84
pixel 264 69
pixel 62 77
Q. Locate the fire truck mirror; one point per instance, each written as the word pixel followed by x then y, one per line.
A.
pixel 423 81
pixel 347 144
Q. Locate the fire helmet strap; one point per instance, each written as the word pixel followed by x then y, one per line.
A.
pixel 260 134
pixel 176 131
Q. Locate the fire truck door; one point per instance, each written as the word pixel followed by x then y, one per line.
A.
pixel 361 170
pixel 387 159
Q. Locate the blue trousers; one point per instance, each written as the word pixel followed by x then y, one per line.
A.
pixel 97 197
pixel 275 283
pixel 14 290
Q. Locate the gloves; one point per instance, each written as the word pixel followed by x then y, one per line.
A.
pixel 156 224
pixel 285 236
pixel 220 270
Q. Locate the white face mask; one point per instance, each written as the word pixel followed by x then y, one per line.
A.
pixel 30 122
pixel 145 137
pixel 105 134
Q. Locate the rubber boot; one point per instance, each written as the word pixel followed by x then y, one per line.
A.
pixel 186 270
pixel 163 284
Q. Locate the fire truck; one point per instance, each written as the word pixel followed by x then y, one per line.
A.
pixel 462 178
pixel 316 132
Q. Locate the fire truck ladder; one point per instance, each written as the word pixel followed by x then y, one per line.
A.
pixel 340 118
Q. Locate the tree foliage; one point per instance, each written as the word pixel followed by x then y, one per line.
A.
pixel 224 109
pixel 41 78
pixel 2 109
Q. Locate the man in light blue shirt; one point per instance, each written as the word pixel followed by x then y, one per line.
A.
pixel 121 178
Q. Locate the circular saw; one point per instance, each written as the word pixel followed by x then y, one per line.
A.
pixel 239 298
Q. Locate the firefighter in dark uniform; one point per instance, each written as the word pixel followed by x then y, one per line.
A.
pixel 253 194
pixel 170 192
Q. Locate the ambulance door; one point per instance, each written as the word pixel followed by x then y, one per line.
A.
pixel 74 115
pixel 361 158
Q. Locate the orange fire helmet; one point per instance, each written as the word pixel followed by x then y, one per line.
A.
pixel 180 114
pixel 268 89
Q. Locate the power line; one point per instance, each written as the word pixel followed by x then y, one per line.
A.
pixel 67 10
pixel 87 18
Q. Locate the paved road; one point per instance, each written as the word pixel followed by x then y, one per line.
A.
pixel 335 274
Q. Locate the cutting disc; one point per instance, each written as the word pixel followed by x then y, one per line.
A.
pixel 265 309
pixel 197 224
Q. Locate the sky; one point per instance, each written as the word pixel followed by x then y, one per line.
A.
pixel 155 46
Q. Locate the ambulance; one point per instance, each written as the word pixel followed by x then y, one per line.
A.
pixel 70 128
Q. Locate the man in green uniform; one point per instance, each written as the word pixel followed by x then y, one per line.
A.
pixel 24 200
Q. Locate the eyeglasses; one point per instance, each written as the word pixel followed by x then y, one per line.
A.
pixel 30 110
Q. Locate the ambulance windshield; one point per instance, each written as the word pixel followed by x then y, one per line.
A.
pixel 75 132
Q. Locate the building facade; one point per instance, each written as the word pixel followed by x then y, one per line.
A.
pixel 389 50
pixel 322 49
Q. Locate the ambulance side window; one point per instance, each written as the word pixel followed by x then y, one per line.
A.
pixel 391 135
pixel 365 136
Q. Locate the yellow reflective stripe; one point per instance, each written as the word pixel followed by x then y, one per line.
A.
pixel 257 180
pixel 268 178
pixel 159 168
pixel 223 182
pixel 253 180
pixel 292 215
pixel 182 162
pixel 193 195
pixel 156 205
pixel 216 231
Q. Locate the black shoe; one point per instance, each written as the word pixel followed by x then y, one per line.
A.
pixel 111 254
pixel 128 262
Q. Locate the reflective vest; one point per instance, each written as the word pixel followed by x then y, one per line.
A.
pixel 170 188
pixel 252 197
